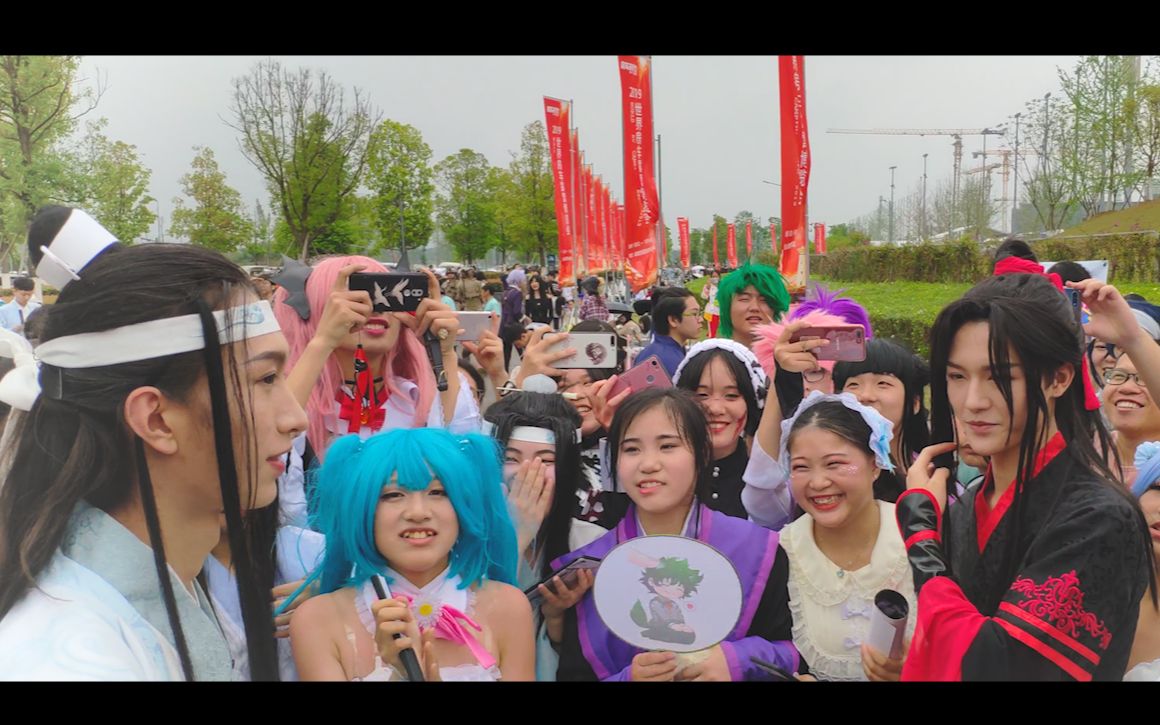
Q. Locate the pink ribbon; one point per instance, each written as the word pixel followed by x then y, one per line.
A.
pixel 448 627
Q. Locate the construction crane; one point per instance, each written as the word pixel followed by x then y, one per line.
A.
pixel 956 133
pixel 1006 156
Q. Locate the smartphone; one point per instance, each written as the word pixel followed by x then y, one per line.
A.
pixel 847 342
pixel 391 292
pixel 646 374
pixel 474 324
pixel 568 575
pixel 593 350
pixel 1076 304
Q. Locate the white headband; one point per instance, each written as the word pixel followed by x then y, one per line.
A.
pixel 533 434
pixel 526 433
pixel 133 343
pixel 76 244
pixel 881 430
pixel 757 374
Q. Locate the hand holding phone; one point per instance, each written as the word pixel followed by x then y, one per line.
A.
pixel 646 374
pixel 847 342
pixel 390 292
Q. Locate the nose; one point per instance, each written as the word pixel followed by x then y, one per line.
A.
pixel 976 398
pixel 417 506
pixel 291 418
pixel 650 461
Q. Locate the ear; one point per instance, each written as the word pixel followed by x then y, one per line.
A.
pixel 145 411
pixel 1059 381
pixel 917 405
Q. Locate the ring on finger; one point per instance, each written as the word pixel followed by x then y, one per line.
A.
pixel 443 334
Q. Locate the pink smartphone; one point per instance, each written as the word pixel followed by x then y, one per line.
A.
pixel 649 373
pixel 847 342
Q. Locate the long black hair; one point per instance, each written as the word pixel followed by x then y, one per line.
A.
pixel 695 367
pixel 1027 316
pixel 890 357
pixel 74 444
pixel 551 411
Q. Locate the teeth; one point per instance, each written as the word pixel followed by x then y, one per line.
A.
pixel 650 484
pixel 418 534
pixel 1128 405
pixel 824 500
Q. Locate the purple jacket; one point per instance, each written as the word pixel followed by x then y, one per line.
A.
pixel 764 629
pixel 513 306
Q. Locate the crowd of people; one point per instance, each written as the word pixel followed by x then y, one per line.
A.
pixel 226 478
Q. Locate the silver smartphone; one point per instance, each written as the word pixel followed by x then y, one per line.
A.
pixel 474 324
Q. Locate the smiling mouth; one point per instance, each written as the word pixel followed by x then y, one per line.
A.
pixel 418 534
pixel 1125 404
pixel 649 485
pixel 826 501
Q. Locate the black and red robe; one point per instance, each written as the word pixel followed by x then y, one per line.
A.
pixel 1068 609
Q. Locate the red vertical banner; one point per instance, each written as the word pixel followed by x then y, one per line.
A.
pixel 621 239
pixel 820 238
pixel 595 264
pixel 748 239
pixel 731 245
pixel 641 204
pixel 556 116
pixel 580 252
pixel 605 219
pixel 795 167
pixel 683 233
pixel 716 260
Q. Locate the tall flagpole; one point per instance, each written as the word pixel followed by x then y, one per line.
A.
pixel 660 216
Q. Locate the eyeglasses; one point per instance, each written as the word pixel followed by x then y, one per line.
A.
pixel 1116 376
pixel 691 313
pixel 814 376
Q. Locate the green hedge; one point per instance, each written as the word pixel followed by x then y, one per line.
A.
pixel 1132 257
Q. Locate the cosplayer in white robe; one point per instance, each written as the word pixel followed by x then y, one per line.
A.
pixel 97 614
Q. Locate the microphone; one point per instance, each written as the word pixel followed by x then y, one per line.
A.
pixel 408 657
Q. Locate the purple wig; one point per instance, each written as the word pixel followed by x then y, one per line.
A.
pixel 823 300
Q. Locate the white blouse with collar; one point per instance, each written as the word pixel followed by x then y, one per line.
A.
pixel 831 607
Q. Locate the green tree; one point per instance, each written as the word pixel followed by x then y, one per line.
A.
pixel 503 191
pixel 528 195
pixel 113 184
pixel 311 147
pixel 41 98
pixel 465 207
pixel 217 219
pixel 400 178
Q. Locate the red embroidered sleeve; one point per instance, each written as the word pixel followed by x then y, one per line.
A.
pixel 1059 617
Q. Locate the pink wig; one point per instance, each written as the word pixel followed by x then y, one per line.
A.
pixel 407 360
pixel 767 338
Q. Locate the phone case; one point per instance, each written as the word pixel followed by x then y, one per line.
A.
pixel 847 343
pixel 474 324
pixel 646 374
pixel 391 292
pixel 593 350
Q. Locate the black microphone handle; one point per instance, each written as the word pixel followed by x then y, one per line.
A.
pixel 435 355
pixel 407 656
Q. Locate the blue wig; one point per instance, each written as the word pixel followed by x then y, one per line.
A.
pixel 351 481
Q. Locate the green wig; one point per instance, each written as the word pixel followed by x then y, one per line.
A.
pixel 765 279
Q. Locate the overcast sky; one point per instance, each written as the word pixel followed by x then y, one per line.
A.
pixel 717 117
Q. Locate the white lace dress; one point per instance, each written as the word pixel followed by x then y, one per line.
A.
pixel 831 607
